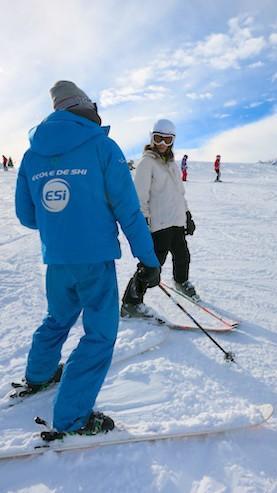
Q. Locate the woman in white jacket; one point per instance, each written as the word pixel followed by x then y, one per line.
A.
pixel 163 203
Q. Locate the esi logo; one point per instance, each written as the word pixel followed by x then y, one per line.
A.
pixel 55 195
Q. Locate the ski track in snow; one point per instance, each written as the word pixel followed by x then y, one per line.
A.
pixel 184 381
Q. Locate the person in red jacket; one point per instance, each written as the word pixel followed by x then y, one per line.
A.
pixel 184 167
pixel 217 168
pixel 5 162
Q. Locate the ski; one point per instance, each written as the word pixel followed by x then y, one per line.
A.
pixel 201 305
pixel 218 328
pixel 123 434
pixel 182 327
pixel 21 391
pixel 160 321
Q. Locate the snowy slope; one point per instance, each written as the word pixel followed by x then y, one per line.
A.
pixel 184 381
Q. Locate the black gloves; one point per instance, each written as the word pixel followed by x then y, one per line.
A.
pixel 190 224
pixel 148 276
pixel 148 222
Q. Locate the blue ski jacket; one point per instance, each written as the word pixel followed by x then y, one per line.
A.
pixel 74 185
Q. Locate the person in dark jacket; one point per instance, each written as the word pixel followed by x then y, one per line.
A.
pixel 74 186
pixel 10 163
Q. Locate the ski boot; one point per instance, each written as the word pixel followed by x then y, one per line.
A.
pixel 187 289
pixel 25 388
pixel 140 310
pixel 97 423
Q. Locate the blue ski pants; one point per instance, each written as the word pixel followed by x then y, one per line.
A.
pixel 72 289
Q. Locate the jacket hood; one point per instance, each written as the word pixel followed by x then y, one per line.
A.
pixel 61 132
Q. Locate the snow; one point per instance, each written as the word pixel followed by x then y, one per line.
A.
pixel 270 161
pixel 179 379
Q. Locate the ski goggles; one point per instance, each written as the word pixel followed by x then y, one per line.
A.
pixel 163 139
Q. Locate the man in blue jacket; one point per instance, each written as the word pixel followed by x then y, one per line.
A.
pixel 74 185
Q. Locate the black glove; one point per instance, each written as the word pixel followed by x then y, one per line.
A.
pixel 190 224
pixel 148 221
pixel 148 276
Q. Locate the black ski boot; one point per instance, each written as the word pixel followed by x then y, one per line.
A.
pixel 187 289
pixel 139 310
pixel 97 423
pixel 25 388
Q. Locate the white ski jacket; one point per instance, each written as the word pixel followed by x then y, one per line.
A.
pixel 161 192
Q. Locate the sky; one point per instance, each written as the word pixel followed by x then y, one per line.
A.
pixel 208 65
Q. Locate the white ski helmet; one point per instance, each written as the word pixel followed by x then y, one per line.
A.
pixel 164 126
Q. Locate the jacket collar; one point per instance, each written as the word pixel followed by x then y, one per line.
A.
pixel 155 155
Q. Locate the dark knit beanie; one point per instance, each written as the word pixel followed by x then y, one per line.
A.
pixel 67 96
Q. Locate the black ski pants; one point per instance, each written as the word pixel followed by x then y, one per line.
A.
pixel 167 240
pixel 218 175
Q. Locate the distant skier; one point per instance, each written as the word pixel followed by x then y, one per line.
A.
pixel 184 167
pixel 5 162
pixel 163 203
pixel 131 164
pixel 217 164
pixel 10 163
pixel 74 185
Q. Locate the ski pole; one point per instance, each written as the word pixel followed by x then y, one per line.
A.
pixel 229 356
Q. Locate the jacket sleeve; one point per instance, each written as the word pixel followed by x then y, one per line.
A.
pixel 143 180
pixel 181 186
pixel 123 200
pixel 185 200
pixel 24 206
